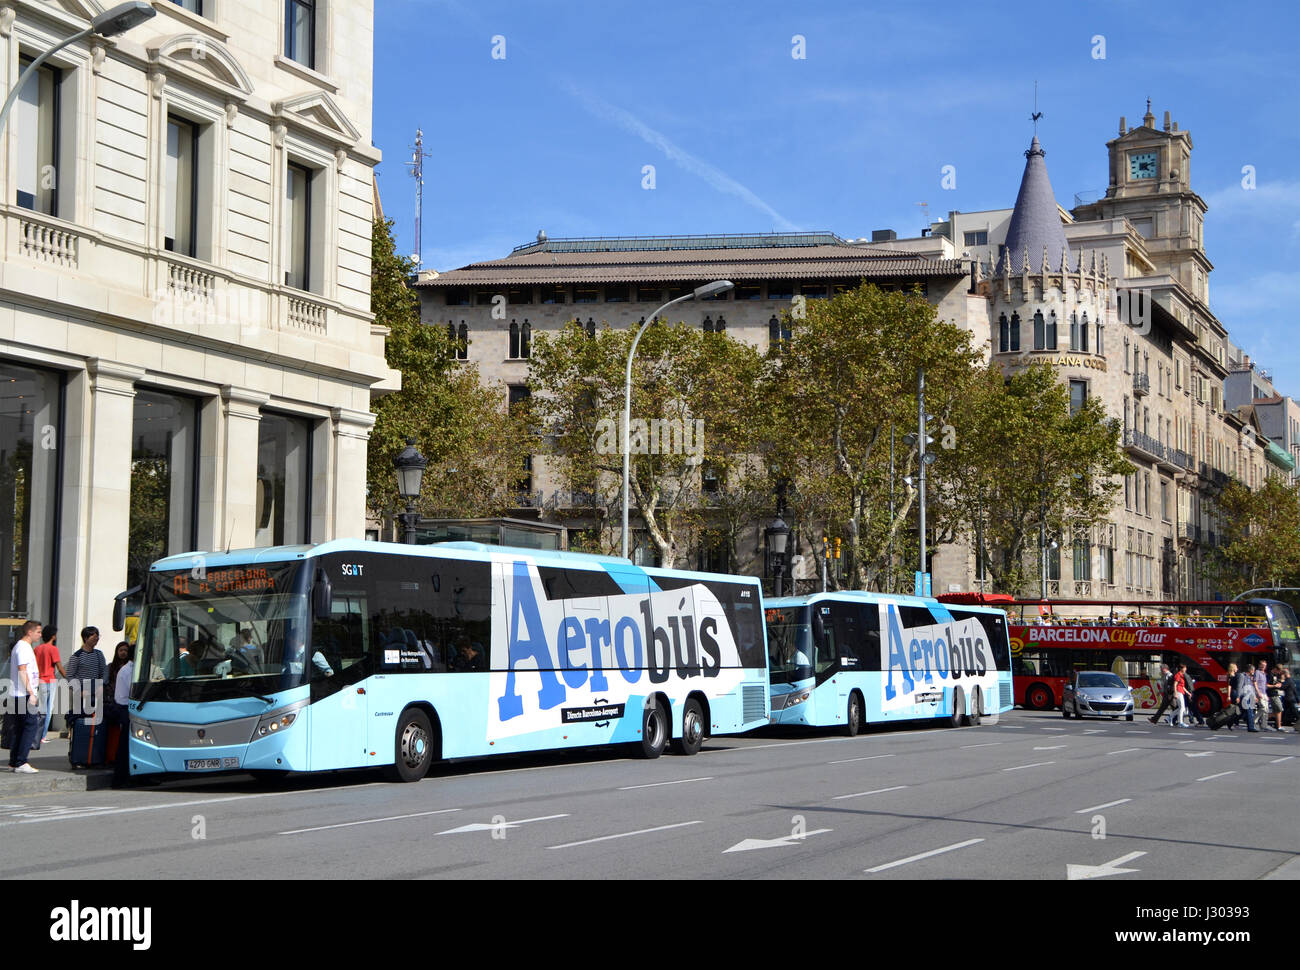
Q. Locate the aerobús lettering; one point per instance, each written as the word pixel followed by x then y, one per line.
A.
pixel 924 654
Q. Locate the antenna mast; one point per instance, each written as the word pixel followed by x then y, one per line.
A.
pixel 416 165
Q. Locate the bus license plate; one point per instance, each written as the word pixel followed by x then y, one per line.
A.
pixel 200 764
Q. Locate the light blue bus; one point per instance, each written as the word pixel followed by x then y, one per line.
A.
pixel 847 659
pixel 352 654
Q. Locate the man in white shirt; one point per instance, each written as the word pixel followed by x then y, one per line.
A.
pixel 26 717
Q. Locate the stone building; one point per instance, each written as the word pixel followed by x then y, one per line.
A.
pixel 1114 295
pixel 185 336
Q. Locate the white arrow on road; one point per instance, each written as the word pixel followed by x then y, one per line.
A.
pixel 497 826
pixel 1198 754
pixel 1111 868
pixel 749 844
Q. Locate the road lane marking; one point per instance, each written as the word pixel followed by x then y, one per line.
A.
pixel 1219 775
pixel 499 826
pixel 368 821
pixel 1055 729
pixel 1096 808
pixel 625 835
pixel 1095 731
pixel 1137 732
pixel 984 744
pixel 871 757
pixel 1123 750
pixel 924 855
pixel 1278 761
pixel 787 744
pixel 1012 727
pixel 657 784
pixel 1036 764
pixel 1049 747
pixel 876 791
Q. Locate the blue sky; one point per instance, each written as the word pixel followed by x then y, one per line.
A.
pixel 746 138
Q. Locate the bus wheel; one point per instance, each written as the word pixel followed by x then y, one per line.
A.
pixel 1039 698
pixel 853 719
pixel 654 731
pixel 1207 701
pixel 958 708
pixel 692 729
pixel 414 746
pixel 976 709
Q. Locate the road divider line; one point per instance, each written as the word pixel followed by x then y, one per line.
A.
pixel 1036 764
pixel 1278 761
pixel 1123 750
pixel 626 835
pixel 1221 774
pixel 984 744
pixel 877 791
pixel 850 761
pixel 657 784
pixel 924 855
pixel 1097 808
pixel 1054 729
pixel 369 821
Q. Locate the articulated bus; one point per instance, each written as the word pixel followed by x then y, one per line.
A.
pixel 350 654
pixel 847 659
pixel 1052 638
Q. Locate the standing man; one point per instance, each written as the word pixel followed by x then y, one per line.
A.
pixel 1166 692
pixel 1245 690
pixel 24 675
pixel 86 672
pixel 47 659
pixel 1261 695
pixel 122 717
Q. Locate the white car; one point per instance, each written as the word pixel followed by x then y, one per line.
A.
pixel 1097 693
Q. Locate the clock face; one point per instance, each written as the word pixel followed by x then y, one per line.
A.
pixel 1142 165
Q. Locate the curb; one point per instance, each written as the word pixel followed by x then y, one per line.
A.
pixel 52 781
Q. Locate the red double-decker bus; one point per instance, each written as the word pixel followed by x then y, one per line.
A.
pixel 1132 638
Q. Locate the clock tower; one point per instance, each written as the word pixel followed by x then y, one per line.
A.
pixel 1150 186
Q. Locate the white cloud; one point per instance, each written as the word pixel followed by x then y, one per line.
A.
pixel 696 166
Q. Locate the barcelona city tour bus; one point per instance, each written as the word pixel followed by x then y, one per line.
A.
pixel 351 654
pixel 847 659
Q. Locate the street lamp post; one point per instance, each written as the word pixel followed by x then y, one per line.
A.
pixel 410 465
pixel 110 23
pixel 778 538
pixel 708 289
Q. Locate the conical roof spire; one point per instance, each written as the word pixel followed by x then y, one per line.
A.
pixel 1035 224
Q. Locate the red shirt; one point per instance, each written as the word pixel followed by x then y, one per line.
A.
pixel 47 655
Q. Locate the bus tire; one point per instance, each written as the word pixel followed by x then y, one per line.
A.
pixel 692 728
pixel 958 708
pixel 976 709
pixel 1207 701
pixel 853 717
pixel 654 731
pixel 412 746
pixel 1039 698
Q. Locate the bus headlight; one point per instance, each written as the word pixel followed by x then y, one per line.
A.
pixel 796 697
pixel 142 731
pixel 277 721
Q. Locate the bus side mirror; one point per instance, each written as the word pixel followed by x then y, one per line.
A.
pixel 119 607
pixel 322 596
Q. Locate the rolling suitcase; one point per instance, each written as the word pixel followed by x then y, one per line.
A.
pixel 1219 718
pixel 89 744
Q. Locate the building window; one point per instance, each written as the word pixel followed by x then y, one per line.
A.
pixel 1078 396
pixel 300 31
pixel 1009 334
pixel 283 480
pixel 815 291
pixel 617 294
pixel 1075 344
pixel 298 228
pixel 193 6
pixel 31 443
pixel 1054 564
pixel 749 292
pixel 182 199
pixel 780 291
pixel 649 294
pixel 1126 370
pixel 586 294
pixel 520 295
pixel 1082 558
pixel 552 294
pixel 1040 331
pixel 1051 330
pixel 978 238
pixel 1106 565
pixel 514 340
pixel 164 464
pixel 1164 501
pixel 456 297
pixel 36 126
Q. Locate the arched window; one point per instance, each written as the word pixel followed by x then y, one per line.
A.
pixel 1040 331
pixel 1004 334
pixel 526 340
pixel 1015 333
pixel 1051 331
pixel 514 340
pixel 1074 331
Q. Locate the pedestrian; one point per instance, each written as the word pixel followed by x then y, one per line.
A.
pixel 1261 695
pixel 1275 697
pixel 1290 698
pixel 1245 690
pixel 1184 695
pixel 121 716
pixel 49 662
pixel 25 698
pixel 86 673
pixel 121 654
pixel 1166 692
pixel 1233 698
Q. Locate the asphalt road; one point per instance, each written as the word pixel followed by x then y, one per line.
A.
pixel 1030 797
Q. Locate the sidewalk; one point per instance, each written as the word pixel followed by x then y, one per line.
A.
pixel 54 773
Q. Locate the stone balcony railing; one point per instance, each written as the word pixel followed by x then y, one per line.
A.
pixel 45 240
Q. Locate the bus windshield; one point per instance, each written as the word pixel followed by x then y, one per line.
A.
pixel 228 632
pixel 789 644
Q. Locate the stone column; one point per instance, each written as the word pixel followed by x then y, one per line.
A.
pixel 242 414
pixel 106 527
pixel 351 438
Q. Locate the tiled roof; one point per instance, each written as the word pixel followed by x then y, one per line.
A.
pixel 793 263
pixel 1035 224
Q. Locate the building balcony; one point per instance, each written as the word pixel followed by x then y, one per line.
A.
pixel 1214 477
pixel 1145 446
pixel 1141 385
pixel 1188 532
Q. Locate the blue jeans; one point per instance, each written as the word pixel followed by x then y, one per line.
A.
pixel 1248 715
pixel 47 693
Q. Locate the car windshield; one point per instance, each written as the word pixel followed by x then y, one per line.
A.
pixel 1096 678
pixel 234 630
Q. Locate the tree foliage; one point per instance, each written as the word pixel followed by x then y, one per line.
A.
pixel 1260 533
pixel 476 446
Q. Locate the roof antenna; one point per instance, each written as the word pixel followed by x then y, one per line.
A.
pixel 1037 114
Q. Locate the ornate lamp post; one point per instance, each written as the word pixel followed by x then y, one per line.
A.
pixel 410 465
